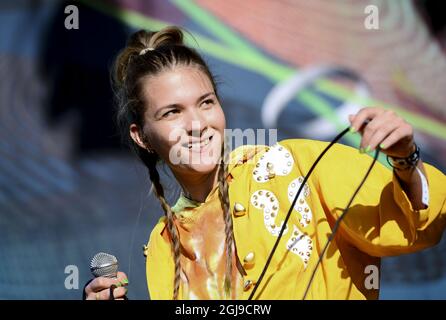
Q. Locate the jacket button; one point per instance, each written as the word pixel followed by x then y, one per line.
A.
pixel 249 260
pixel 239 210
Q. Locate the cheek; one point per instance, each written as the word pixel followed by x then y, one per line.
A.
pixel 162 137
pixel 168 141
pixel 218 119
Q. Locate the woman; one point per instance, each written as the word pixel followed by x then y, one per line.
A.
pixel 214 242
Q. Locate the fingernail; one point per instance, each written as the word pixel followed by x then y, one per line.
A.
pixel 381 145
pixel 367 149
pixel 352 130
pixel 119 284
pixel 125 281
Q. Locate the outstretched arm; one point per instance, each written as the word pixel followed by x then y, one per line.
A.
pixel 395 138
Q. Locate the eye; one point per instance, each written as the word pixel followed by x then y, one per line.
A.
pixel 168 113
pixel 209 102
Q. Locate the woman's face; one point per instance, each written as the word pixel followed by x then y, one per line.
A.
pixel 184 122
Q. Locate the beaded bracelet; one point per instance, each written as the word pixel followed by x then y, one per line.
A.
pixel 405 163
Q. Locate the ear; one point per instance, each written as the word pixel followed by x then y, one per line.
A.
pixel 134 133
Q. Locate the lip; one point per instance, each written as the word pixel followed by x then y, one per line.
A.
pixel 202 149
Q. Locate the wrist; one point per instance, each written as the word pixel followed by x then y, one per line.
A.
pixel 406 163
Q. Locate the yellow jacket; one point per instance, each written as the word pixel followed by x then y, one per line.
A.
pixel 379 223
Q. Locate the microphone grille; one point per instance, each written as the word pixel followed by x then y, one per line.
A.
pixel 104 265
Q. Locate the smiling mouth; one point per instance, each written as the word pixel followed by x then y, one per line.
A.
pixel 199 145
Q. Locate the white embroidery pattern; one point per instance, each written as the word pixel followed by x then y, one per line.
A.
pixel 301 245
pixel 301 205
pixel 279 161
pixel 267 201
pixel 276 161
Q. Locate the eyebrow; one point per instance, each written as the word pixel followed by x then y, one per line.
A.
pixel 175 104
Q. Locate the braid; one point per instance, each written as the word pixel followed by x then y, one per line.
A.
pixel 224 199
pixel 159 191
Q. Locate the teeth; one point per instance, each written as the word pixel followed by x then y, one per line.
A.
pixel 198 145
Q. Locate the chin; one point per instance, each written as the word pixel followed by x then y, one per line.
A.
pixel 203 164
pixel 202 169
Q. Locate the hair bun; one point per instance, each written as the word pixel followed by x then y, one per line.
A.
pixel 145 40
pixel 170 35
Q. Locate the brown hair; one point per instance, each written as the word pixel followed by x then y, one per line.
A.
pixel 165 49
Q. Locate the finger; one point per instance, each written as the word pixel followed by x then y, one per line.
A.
pixel 351 117
pixel 381 125
pixel 122 277
pixel 369 129
pixel 395 136
pixel 100 284
pixel 101 295
pixel 363 115
pixel 119 293
pixel 91 296
pixel 122 280
pixel 379 135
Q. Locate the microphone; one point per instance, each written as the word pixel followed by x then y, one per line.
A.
pixel 104 265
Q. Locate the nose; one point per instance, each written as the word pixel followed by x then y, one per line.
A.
pixel 195 123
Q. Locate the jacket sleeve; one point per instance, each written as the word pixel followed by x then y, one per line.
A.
pixel 159 265
pixel 381 220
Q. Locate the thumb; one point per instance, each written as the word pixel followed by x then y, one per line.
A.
pixel 351 117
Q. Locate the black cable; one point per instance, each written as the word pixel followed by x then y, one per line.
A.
pixel 338 221
pixel 265 268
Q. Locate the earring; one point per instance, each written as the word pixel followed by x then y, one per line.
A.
pixel 150 150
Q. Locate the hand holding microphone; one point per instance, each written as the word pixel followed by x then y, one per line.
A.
pixel 108 284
